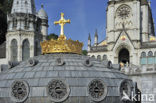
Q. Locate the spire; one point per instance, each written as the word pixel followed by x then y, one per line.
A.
pixel 96 38
pixel 89 38
pixel 23 6
pixel 96 33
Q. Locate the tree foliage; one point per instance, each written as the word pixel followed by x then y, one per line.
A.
pixel 5 8
pixel 84 52
pixel 52 36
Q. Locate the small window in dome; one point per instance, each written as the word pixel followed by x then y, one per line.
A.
pixel 58 90
pixel 59 62
pixel 97 90
pixel 19 91
pixel 88 63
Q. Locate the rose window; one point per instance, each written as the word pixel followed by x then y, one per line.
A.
pixel 19 91
pixel 57 90
pixel 123 12
pixel 97 90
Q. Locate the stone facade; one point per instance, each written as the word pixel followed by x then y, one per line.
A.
pixel 130 39
pixel 129 26
pixel 26 29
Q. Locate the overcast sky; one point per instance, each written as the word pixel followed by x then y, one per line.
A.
pixel 85 15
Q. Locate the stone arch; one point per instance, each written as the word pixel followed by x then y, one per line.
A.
pixel 25 49
pixel 150 54
pixel 14 50
pixel 124 56
pixel 143 54
pixel 99 57
pixel 104 57
pixel 93 56
pixel 120 47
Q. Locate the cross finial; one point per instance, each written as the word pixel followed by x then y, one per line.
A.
pixel 62 22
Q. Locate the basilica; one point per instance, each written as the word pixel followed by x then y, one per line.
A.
pixel 130 41
pixel 119 69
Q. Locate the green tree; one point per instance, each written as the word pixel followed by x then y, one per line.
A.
pixel 5 8
pixel 84 52
pixel 52 36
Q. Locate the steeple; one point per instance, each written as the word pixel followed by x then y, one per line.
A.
pixel 96 38
pixel 89 38
pixel 23 6
pixel 89 42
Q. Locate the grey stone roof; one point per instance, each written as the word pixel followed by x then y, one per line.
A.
pixel 148 45
pixel 42 13
pixel 3 50
pixel 73 72
pixel 98 48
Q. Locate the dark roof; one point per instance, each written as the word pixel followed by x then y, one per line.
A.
pixel 3 50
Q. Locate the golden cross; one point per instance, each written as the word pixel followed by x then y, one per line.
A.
pixel 62 22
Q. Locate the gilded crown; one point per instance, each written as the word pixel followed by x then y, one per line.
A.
pixel 61 45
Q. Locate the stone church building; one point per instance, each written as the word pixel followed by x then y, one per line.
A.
pixel 26 29
pixel 130 34
pixel 130 40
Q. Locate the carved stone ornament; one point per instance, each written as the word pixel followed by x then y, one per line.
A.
pixel 19 91
pixel 123 11
pixel 97 90
pixel 58 90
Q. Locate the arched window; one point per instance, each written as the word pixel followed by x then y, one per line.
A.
pixel 150 53
pixel 14 23
pixel 25 50
pixel 14 50
pixel 104 57
pixel 98 57
pixel 93 56
pixel 143 54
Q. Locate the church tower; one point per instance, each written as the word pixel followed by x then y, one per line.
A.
pixel 96 38
pixel 89 42
pixel 129 24
pixel 26 28
pixel 129 32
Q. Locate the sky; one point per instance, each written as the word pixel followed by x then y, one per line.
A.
pixel 86 16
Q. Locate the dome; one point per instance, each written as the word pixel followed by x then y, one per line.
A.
pixel 42 14
pixel 65 78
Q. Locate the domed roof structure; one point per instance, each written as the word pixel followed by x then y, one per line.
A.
pixel 64 77
pixel 42 13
